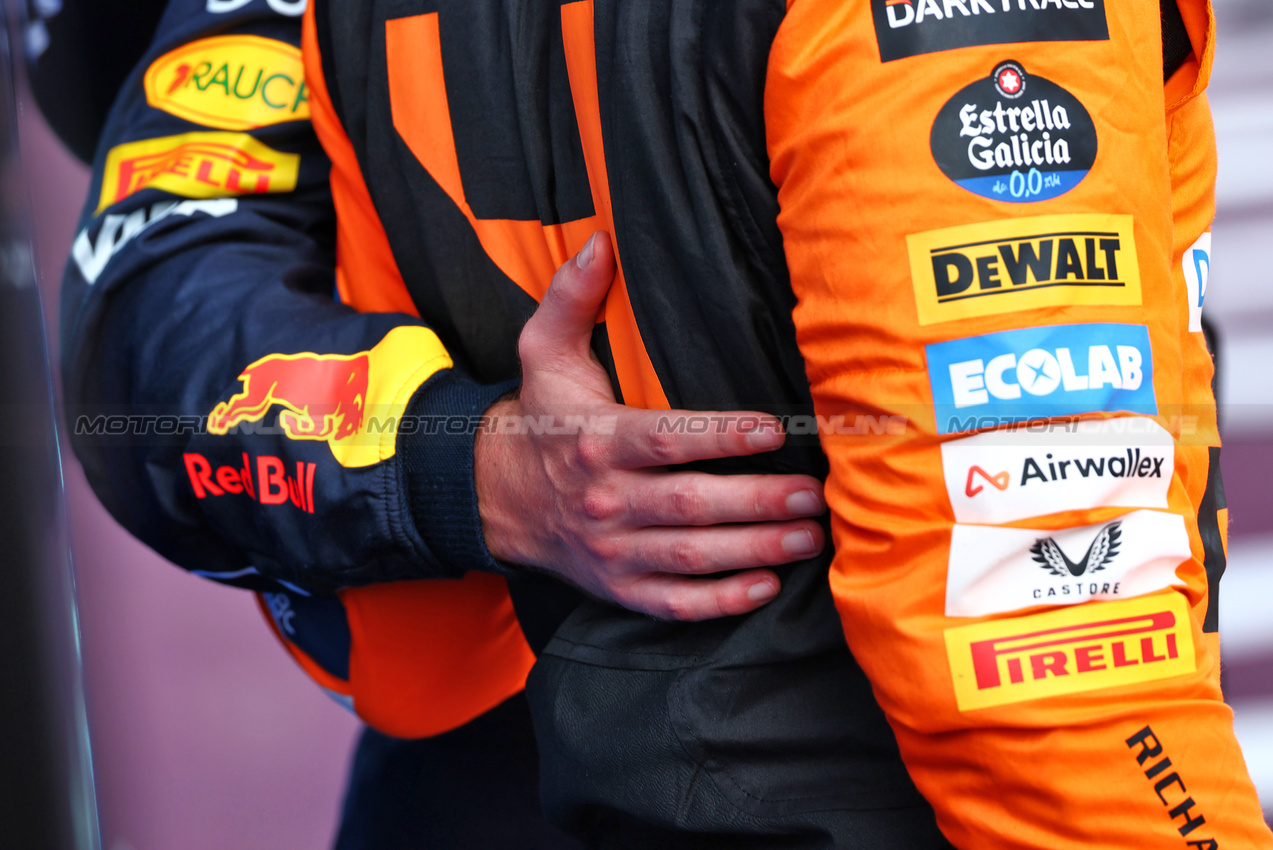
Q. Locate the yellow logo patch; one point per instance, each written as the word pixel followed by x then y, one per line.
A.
pixel 197 165
pixel 352 402
pixel 235 82
pixel 1097 645
pixel 1022 264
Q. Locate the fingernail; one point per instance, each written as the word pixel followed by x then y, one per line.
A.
pixel 799 543
pixel 804 503
pixel 764 439
pixel 761 590
pixel 584 258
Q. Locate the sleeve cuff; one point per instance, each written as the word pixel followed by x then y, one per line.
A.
pixel 437 469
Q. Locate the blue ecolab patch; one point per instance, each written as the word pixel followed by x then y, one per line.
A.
pixel 1038 373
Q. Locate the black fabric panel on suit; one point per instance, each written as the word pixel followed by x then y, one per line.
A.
pixel 1176 47
pixel 710 294
pixel 1214 559
pixel 512 114
pixel 327 53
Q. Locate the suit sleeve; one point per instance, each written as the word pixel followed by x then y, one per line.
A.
pixel 228 409
pixel 1000 240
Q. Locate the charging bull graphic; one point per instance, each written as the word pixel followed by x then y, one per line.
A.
pixel 325 395
pixel 336 397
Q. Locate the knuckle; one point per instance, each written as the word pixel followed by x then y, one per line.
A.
pixel 592 453
pixel 602 550
pixel 685 556
pixel 678 606
pixel 598 504
pixel 530 343
pixel 661 448
pixel 688 503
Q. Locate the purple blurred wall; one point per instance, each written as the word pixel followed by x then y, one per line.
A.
pixel 205 734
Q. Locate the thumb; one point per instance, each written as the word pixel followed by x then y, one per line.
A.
pixel 563 323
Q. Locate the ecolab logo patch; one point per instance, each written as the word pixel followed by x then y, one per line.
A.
pixel 235 82
pixel 1040 373
pixel 1023 264
pixel 1074 650
pixel 993 570
pixel 1196 265
pixel 1014 137
pixel 911 27
pixel 197 165
pixel 1014 474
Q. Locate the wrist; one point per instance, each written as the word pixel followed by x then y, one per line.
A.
pixel 497 478
pixel 438 471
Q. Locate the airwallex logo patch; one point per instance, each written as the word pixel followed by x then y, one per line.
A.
pixel 912 27
pixel 1013 474
pixel 1014 137
pixel 1040 373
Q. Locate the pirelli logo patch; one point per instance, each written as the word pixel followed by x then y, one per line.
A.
pixel 197 165
pixel 1098 645
pixel 1023 264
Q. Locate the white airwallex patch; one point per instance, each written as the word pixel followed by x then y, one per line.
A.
pixel 1017 473
pixel 1196 265
pixel 993 570
pixel 118 230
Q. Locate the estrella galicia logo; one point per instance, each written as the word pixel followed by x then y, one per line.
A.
pixel 1040 373
pixel 911 27
pixel 1014 137
pixel 1102 551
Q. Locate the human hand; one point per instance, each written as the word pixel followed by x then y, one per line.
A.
pixel 601 511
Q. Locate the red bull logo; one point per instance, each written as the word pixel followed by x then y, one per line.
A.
pixel 324 395
pixel 274 486
pixel 353 402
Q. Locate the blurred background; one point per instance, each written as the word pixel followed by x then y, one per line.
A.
pixel 206 736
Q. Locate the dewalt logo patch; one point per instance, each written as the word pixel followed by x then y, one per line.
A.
pixel 197 165
pixel 1098 645
pixel 1023 264
pixel 235 82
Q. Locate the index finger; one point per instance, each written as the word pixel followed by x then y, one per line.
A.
pixel 645 438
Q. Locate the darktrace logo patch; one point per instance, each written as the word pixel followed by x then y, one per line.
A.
pixel 1014 137
pixel 913 27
